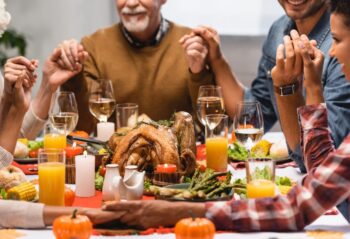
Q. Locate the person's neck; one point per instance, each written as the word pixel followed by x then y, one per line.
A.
pixel 306 25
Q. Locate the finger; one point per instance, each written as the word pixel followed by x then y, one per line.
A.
pixel 197 40
pixel 210 29
pixel 298 62
pixel 123 206
pixel 280 57
pixel 184 38
pixel 66 45
pixel 305 54
pixel 308 45
pixel 22 60
pixel 74 49
pixel 66 61
pixel 35 63
pixel 313 43
pixel 20 80
pixel 290 54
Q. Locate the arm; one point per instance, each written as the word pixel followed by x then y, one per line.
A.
pixel 79 84
pixel 320 190
pixel 232 89
pixel 287 71
pixel 65 62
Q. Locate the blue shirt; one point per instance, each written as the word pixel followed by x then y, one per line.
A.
pixel 336 90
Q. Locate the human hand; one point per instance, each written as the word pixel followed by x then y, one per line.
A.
pixel 98 216
pixel 144 214
pixel 195 50
pixel 16 67
pixel 288 69
pixel 65 62
pixel 21 94
pixel 212 40
pixel 313 62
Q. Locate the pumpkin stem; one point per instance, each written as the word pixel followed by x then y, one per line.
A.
pixel 192 214
pixel 74 215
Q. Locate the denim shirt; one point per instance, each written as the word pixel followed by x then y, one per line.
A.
pixel 335 87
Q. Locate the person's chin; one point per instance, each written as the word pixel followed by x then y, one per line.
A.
pixel 136 26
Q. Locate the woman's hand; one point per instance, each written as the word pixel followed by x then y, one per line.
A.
pixel 65 62
pixel 19 67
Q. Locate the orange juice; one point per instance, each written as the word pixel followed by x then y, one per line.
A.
pixel 51 183
pixel 217 153
pixel 260 188
pixel 55 141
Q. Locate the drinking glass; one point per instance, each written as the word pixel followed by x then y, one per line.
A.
pixel 102 101
pixel 55 136
pixel 260 177
pixel 127 114
pixel 64 110
pixel 216 141
pixel 51 171
pixel 248 124
pixel 209 101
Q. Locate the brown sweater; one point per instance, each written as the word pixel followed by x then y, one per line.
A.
pixel 157 78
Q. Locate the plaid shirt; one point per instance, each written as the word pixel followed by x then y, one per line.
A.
pixel 5 158
pixel 321 189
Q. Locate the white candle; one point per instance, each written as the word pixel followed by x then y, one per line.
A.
pixel 105 130
pixel 85 175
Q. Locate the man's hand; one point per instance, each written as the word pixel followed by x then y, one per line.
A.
pixel 65 62
pixel 195 50
pixel 97 216
pixel 151 213
pixel 212 40
pixel 19 67
pixel 288 69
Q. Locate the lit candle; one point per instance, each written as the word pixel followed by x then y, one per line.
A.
pixel 85 175
pixel 166 168
pixel 105 130
pixel 73 150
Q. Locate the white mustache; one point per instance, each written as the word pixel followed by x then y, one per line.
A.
pixel 137 10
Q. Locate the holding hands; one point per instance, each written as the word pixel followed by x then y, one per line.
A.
pixel 65 62
pixel 20 76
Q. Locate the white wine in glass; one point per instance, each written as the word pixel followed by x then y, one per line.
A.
pixel 209 101
pixel 101 101
pixel 64 111
pixel 248 124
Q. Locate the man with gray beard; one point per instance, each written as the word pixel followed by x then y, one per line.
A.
pixel 143 58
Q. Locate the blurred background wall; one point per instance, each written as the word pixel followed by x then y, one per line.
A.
pixel 242 24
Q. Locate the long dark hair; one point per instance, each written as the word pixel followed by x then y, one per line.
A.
pixel 341 7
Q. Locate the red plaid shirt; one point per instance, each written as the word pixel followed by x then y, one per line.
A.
pixel 321 189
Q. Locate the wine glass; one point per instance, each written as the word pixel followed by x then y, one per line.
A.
pixel 64 111
pixel 101 100
pixel 209 101
pixel 248 124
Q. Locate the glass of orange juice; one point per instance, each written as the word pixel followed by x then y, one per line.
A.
pixel 260 177
pixel 216 141
pixel 55 137
pixel 51 170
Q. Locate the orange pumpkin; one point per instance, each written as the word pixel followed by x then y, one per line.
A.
pixel 75 226
pixel 69 197
pixel 194 228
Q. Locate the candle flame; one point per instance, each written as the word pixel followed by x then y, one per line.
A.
pixel 85 153
pixel 74 144
pixel 165 165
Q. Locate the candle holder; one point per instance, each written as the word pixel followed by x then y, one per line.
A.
pixel 165 179
pixel 70 170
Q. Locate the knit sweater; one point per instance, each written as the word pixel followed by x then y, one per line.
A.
pixel 157 78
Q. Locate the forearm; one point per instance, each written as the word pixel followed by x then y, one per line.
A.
pixel 51 213
pixel 10 128
pixel 287 108
pixel 314 95
pixel 42 100
pixel 5 105
pixel 232 89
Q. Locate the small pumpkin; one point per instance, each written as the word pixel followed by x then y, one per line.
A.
pixel 74 226
pixel 79 133
pixel 194 228
pixel 69 197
